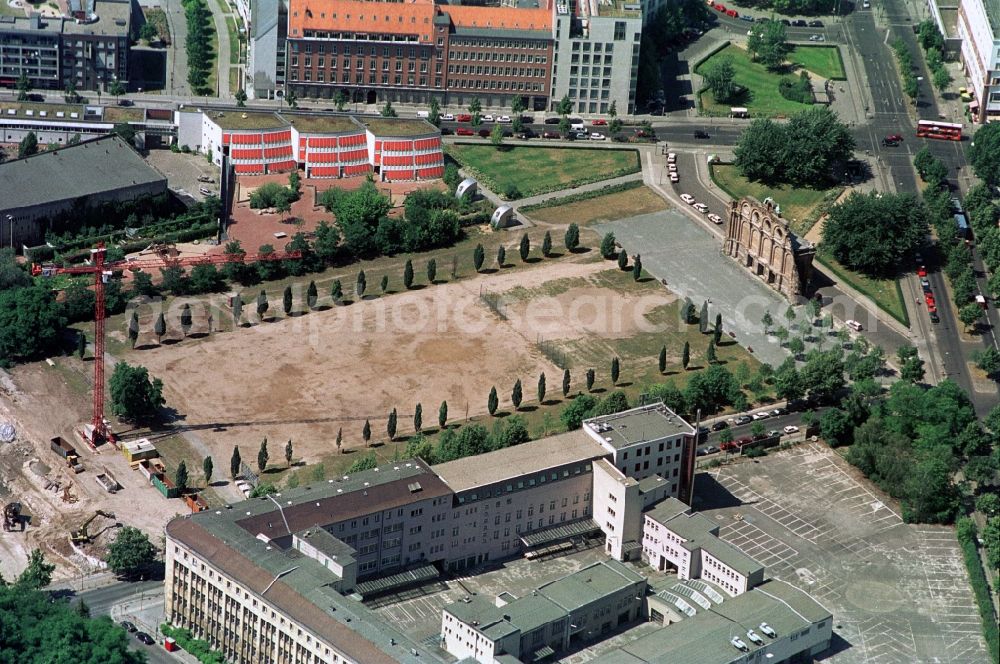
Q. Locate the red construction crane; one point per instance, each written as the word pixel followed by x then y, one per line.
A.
pixel 102 272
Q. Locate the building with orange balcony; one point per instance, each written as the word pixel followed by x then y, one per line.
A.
pixel 323 145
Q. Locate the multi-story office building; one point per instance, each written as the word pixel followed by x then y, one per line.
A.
pixel 415 51
pixel 89 48
pixel 597 54
pixel 979 29
pixel 270 579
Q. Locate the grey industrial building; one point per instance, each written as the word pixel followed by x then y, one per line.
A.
pixel 88 48
pixel 36 188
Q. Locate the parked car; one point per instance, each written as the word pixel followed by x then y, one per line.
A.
pixel 886 142
pixel 448 117
pixel 732 13
pixel 551 120
pixel 817 38
pixel 714 218
pixel 702 134
pixel 551 134
pixel 672 168
pixel 785 22
pixel 926 285
pixel 145 638
pixel 921 271
pixel 463 117
pixel 674 177
pixel 504 119
pixel 711 449
pixel 488 118
pixel 485 133
pixel 934 317
pixel 743 419
pixel 854 325
pixel 791 428
pixel 599 122
pixel 445 131
pixel 463 131
pixel 778 412
pixel 128 626
pixel 526 133
pixel 701 207
pixel 688 198
pixel 773 433
pixel 761 415
pixel 800 24
pixel 719 426
pixel 747 18
pixel 671 158
pixel 815 24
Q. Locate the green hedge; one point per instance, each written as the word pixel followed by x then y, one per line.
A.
pixel 584 195
pixel 980 587
pixel 196 647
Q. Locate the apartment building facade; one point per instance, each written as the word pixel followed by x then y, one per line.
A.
pixel 89 49
pixel 979 30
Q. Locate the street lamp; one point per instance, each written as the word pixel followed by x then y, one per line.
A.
pixel 10 223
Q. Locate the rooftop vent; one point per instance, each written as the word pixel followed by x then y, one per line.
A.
pixel 414 487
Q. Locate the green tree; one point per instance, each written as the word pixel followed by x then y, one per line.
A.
pixel 478 257
pixel 418 418
pixel 788 383
pixel 847 235
pixel 390 427
pixel 797 346
pixel 443 415
pixel 37 574
pixel 207 467
pixel 336 291
pixel 615 370
pixel 286 300
pixel 181 477
pixel 717 329
pixel 541 388
pixel 496 136
pixel 970 315
pixel 28 146
pixel 367 462
pixel 721 80
pixel 836 427
pixel 476 109
pixel 262 305
pixel 516 394
pixel 340 100
pixel 565 383
pixel 81 345
pixel 186 321
pixel 340 438
pixel 262 456
pixel 360 285
pixel 388 111
pixel 241 98
pixel 703 318
pixel 662 360
pixel 989 361
pixel 408 274
pixel 547 244
pixel 237 309
pixel 384 284
pixel 686 355
pixel 133 328
pixel 989 504
pixel 434 114
pixel 773 46
pixel 637 268
pixel 23 86
pixel 366 432
pixel 312 295
pixel 524 248
pixel 572 238
pixel 608 246
pixel 984 153
pixel 577 411
pixel 133 395
pixel 501 255
pixel 623 260
pixel 235 462
pixel 710 354
pixel 431 271
pixel 288 453
pixel 590 379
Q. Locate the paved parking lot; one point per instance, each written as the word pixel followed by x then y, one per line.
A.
pixel 899 593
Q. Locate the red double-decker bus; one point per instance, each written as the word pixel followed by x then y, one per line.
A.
pixel 947 131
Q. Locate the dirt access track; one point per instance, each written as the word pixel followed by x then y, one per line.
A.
pixel 307 376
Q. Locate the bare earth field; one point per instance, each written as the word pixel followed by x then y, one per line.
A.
pixel 305 377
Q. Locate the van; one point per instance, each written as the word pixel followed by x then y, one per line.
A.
pixel 854 325
pixel 576 124
pixel 423 114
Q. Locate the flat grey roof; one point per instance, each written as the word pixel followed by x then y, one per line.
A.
pixel 91 167
pixel 327 544
pixel 704 638
pixel 638 425
pixel 113 18
pixel 526 458
pixel 667 509
pixel 590 584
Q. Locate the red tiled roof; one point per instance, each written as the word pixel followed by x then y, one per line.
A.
pixel 411 18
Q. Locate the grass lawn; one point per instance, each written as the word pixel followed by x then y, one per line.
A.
pixel 885 293
pixel 596 209
pixel 537 170
pixel 234 40
pixel 824 61
pixel 762 97
pixel 800 207
pixel 234 79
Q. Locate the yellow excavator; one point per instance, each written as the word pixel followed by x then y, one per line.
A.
pixel 80 536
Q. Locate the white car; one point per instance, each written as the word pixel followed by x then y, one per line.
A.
pixel 672 168
pixel 701 207
pixel 762 415
pixel 671 158
pixel 791 428
pixel 854 325
pixel 688 198
pixel 816 38
pixel 504 119
pixel 674 177
pixel 448 117
pixel 487 118
pixel 596 137
pixel 715 218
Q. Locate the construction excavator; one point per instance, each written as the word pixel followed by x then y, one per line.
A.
pixel 12 516
pixel 81 536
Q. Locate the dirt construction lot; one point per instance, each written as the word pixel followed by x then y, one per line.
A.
pixel 307 376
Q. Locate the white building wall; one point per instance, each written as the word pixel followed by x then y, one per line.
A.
pixel 981 56
pixel 617 507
